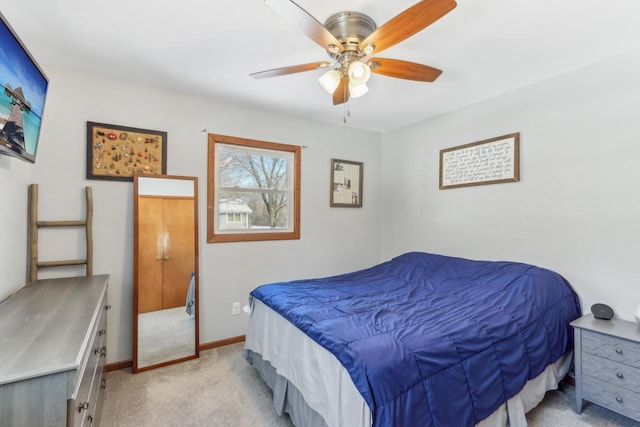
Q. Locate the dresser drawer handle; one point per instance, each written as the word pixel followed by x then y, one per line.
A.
pixel 101 332
pixel 619 375
pixel 619 350
pixel 83 406
pixel 619 399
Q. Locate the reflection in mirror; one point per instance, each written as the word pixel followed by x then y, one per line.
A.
pixel 165 284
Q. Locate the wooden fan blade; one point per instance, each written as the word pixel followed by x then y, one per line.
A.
pixel 289 70
pixel 404 70
pixel 341 94
pixel 407 23
pixel 309 25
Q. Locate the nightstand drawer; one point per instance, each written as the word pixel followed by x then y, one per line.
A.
pixel 612 348
pixel 612 397
pixel 611 372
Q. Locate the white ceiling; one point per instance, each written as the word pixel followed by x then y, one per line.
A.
pixel 209 47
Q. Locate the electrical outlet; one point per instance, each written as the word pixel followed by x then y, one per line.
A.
pixel 235 308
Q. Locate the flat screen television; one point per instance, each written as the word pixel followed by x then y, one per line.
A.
pixel 22 95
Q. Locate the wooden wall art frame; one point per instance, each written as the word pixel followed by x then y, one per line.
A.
pixel 116 153
pixel 346 184
pixel 491 161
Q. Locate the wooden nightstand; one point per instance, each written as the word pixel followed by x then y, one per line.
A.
pixel 607 364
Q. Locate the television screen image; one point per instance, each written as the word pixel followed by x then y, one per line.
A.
pixel 22 96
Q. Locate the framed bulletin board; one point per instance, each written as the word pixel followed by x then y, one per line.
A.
pixel 117 152
pixel 346 184
pixel 491 161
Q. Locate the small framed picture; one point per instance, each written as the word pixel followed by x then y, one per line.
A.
pixel 346 184
pixel 116 153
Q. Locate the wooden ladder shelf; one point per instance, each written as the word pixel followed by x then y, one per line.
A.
pixel 34 225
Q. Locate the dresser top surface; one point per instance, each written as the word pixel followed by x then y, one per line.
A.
pixel 46 326
pixel 614 327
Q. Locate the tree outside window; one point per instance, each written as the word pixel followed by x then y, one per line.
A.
pixel 253 190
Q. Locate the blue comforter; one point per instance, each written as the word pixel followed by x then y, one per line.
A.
pixel 431 340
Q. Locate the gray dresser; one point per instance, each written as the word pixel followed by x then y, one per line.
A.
pixel 607 364
pixel 52 353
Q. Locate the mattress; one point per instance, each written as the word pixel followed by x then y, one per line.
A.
pixel 311 385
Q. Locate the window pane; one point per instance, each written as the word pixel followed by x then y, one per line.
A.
pixel 259 211
pixel 234 217
pixel 264 170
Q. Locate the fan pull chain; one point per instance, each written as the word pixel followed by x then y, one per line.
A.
pixel 347 111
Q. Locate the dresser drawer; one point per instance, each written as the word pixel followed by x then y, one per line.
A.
pixel 97 396
pixel 616 398
pixel 612 348
pixel 611 372
pixel 83 404
pixel 99 383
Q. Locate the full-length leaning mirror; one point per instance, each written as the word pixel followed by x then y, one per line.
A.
pixel 165 283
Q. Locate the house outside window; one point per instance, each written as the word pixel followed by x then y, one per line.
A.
pixel 253 190
pixel 233 214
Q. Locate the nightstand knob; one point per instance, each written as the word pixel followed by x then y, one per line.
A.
pixel 619 375
pixel 619 399
pixel 619 350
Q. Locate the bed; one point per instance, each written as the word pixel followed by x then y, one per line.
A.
pixel 420 340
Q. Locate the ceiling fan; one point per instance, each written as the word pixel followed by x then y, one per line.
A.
pixel 350 38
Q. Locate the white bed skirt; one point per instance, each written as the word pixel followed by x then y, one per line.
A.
pixel 328 389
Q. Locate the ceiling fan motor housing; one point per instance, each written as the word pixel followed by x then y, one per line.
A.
pixel 350 28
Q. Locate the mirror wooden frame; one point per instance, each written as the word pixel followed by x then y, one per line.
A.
pixel 153 189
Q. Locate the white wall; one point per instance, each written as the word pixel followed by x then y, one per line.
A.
pixel 334 240
pixel 576 209
pixel 14 181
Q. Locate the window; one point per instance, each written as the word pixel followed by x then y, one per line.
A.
pixel 253 190
pixel 233 217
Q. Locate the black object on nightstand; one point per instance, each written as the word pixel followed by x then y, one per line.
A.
pixel 602 311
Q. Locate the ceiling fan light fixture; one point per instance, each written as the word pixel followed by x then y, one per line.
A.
pixel 369 49
pixel 330 81
pixel 357 90
pixel 358 72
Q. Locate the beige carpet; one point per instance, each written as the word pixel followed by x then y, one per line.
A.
pixel 165 335
pixel 221 389
pixel 218 389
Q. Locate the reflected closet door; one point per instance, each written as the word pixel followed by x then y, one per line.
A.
pixel 150 254
pixel 179 257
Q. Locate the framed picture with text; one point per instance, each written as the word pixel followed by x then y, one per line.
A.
pixel 346 184
pixel 491 161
